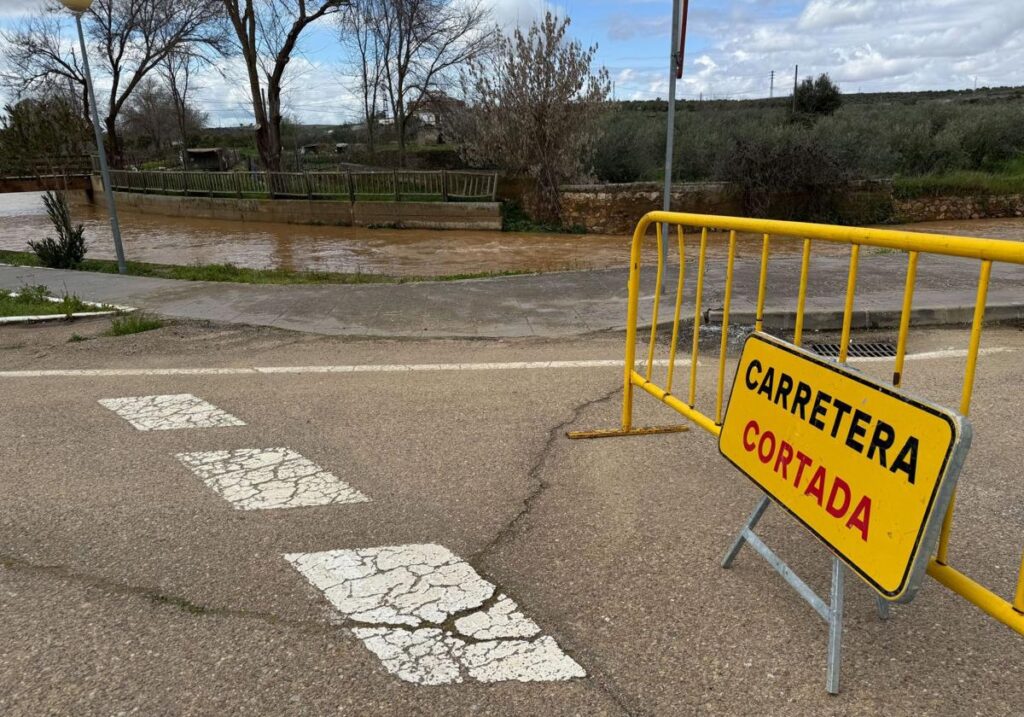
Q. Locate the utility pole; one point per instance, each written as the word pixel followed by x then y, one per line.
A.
pixel 771 86
pixel 796 71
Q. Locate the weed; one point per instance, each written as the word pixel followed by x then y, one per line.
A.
pixel 75 338
pixel 134 323
pixel 35 301
pixel 68 250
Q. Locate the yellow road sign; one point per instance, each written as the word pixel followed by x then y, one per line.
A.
pixel 866 468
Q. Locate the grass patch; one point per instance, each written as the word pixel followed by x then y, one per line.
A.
pixel 75 338
pixel 33 301
pixel 1008 179
pixel 133 324
pixel 243 275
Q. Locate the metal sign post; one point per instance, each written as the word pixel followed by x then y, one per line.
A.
pixel 677 44
pixel 78 7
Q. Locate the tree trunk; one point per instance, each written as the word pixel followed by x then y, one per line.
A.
pixel 113 146
pixel 548 199
pixel 268 134
pixel 400 126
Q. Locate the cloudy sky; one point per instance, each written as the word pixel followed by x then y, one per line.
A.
pixel 732 47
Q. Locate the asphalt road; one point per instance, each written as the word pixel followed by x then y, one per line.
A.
pixel 127 585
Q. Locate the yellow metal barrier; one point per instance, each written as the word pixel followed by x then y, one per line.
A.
pixel 985 250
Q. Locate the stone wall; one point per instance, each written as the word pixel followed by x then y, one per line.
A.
pixel 615 208
pixel 412 215
pixel 930 209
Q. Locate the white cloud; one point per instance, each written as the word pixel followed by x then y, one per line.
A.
pixel 19 8
pixel 819 14
pixel 872 45
pixel 509 14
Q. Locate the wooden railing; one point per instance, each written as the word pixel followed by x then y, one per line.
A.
pixel 397 185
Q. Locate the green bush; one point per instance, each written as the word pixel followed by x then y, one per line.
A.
pixel 993 137
pixel 818 97
pixel 785 172
pixel 68 250
pixel 630 148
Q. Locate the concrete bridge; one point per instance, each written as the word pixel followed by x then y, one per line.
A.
pixel 39 174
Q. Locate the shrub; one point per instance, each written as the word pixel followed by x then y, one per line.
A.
pixel 992 138
pixel 630 149
pixel 818 97
pixel 68 250
pixel 785 172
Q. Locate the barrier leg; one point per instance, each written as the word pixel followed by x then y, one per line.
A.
pixel 751 523
pixel 835 626
pixel 883 608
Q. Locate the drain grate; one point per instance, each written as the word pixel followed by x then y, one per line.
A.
pixel 879 349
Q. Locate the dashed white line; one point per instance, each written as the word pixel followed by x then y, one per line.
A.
pixel 169 412
pixel 431 619
pixel 264 478
pixel 392 368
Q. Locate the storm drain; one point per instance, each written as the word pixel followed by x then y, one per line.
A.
pixel 877 349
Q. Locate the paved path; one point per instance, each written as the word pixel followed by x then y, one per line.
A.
pixel 553 304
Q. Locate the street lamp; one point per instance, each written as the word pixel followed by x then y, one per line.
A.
pixel 77 7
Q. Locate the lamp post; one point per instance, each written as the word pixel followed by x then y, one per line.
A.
pixel 77 7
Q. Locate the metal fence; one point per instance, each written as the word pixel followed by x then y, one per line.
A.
pixel 684 400
pixel 707 411
pixel 396 185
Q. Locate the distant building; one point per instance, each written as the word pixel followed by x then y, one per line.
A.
pixel 208 159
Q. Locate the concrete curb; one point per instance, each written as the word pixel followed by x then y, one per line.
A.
pixel 887 318
pixel 114 309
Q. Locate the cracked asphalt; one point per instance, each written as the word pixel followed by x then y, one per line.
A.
pixel 128 586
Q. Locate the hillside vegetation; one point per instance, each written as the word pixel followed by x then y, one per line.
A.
pixel 968 141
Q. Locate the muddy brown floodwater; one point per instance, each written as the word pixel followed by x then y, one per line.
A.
pixel 398 252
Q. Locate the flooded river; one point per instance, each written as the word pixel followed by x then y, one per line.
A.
pixel 398 252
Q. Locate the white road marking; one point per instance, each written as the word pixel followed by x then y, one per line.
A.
pixel 168 412
pixel 391 368
pixel 431 619
pixel 264 478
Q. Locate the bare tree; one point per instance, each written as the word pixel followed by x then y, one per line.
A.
pixel 178 70
pixel 156 117
pixel 130 37
pixel 267 34
pixel 419 46
pixel 148 116
pixel 358 32
pixel 533 112
pixel 39 54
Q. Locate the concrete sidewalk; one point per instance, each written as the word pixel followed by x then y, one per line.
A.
pixel 555 304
